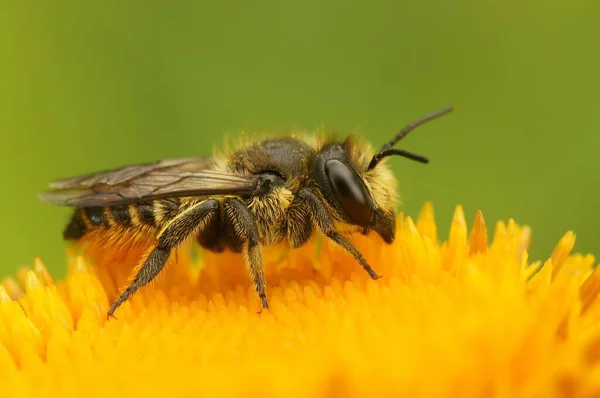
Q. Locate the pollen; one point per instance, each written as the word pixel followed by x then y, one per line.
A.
pixel 469 316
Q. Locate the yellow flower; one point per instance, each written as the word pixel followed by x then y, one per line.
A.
pixel 458 318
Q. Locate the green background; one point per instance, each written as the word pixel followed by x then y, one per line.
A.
pixel 95 85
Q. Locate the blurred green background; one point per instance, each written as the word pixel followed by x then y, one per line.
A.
pixel 95 85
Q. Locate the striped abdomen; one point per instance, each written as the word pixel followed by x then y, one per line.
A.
pixel 151 215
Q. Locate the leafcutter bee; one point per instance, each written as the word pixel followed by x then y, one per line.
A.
pixel 277 190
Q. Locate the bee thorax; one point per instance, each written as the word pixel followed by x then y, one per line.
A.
pixel 270 211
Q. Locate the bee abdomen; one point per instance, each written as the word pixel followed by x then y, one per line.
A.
pixel 88 219
pixel 143 214
pixel 119 215
pixel 77 227
pixel 84 220
pixel 151 214
pixel 166 209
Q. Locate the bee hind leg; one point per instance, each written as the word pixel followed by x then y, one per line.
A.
pixel 176 231
pixel 243 223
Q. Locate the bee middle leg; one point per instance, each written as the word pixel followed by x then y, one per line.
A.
pixel 243 223
pixel 173 234
pixel 325 223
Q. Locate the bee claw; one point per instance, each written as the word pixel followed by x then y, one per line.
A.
pixel 374 275
pixel 265 305
pixel 110 315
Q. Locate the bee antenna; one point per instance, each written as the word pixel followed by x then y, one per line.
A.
pixel 388 150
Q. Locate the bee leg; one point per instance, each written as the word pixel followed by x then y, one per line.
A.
pixel 300 225
pixel 325 223
pixel 173 234
pixel 242 220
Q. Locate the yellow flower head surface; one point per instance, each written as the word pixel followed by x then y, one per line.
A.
pixel 467 317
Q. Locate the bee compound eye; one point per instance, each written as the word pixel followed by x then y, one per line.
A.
pixel 350 191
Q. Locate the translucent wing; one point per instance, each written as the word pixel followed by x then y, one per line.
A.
pixel 167 178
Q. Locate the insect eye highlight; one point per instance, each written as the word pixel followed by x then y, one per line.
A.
pixel 350 192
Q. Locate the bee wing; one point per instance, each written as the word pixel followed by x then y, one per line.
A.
pixel 130 184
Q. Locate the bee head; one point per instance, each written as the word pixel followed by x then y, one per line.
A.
pixel 360 188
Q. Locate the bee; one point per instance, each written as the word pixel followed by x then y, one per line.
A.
pixel 277 190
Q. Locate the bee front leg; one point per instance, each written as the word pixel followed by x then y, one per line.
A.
pixel 323 219
pixel 241 219
pixel 173 234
